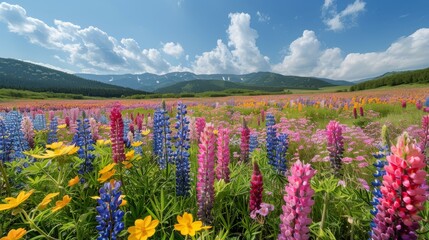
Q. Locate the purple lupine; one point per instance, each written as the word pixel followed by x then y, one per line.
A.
pixel 28 130
pixel 244 144
pixel 205 177
pixel 335 145
pixel 298 203
pixel 223 155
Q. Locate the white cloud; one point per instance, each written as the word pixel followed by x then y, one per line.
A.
pixel 244 56
pixel 173 49
pixel 346 18
pixel 262 17
pixel 90 49
pixel 306 58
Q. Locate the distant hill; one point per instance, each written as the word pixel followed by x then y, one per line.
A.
pixel 15 74
pixel 199 86
pixel 152 82
pixel 395 78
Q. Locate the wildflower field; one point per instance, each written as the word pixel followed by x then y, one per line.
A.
pixel 350 165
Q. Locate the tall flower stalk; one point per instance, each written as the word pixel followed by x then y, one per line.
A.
pixel 403 194
pixel 424 136
pixel 117 135
pixel 52 133
pixel 223 155
pixel 280 162
pixel 183 180
pixel 256 188
pixel 162 138
pixel 83 139
pixel 298 202
pixel 271 139
pixel 28 130
pixel 244 144
pixel 205 177
pixel 200 123
pixel 335 145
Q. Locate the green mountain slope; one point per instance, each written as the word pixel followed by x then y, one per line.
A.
pixel 198 86
pixel 278 80
pixel 395 78
pixel 21 75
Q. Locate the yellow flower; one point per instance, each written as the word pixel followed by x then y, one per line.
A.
pixel 143 228
pixel 54 145
pixel 186 226
pixel 145 132
pixel 136 144
pixel 58 151
pixel 73 181
pixel 105 176
pixel 129 155
pixel 47 200
pixel 15 202
pixel 107 168
pixel 215 132
pixel 127 164
pixel 62 126
pixel 95 197
pixel 101 142
pixel 15 234
pixel 61 203
pixel 124 202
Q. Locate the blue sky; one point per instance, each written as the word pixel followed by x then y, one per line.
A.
pixel 338 39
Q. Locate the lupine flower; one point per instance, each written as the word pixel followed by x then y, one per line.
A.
pixel 93 126
pixel 223 156
pixel 361 111
pixel 403 195
pixel 181 155
pixel 335 145
pixel 162 138
pixel 253 142
pixel 355 113
pixel 282 146
pixel 424 136
pixel 271 139
pixel 110 217
pixel 15 234
pixel 205 177
pixel 143 228
pixel 39 122
pixel 5 143
pixel 187 226
pixel 117 135
pixel 244 144
pixel 12 202
pixel 61 203
pixel 256 189
pixel 200 123
pixel 28 130
pixel 404 104
pixel 298 203
pixel 53 128
pixel 18 143
pixel 83 139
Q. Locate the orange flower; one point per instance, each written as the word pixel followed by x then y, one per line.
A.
pixel 15 202
pixel 47 200
pixel 61 203
pixel 143 229
pixel 73 181
pixel 15 234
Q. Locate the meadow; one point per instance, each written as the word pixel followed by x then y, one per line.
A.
pixel 313 165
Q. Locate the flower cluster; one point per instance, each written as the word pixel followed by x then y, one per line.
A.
pixel 256 189
pixel 298 203
pixel 424 136
pixel 205 177
pixel 162 138
pixel 5 143
pixel 117 135
pixel 282 145
pixel 183 180
pixel 223 156
pixel 271 138
pixel 110 217
pixel 52 133
pixel 200 123
pixel 244 144
pixel 335 145
pixel 403 194
pixel 39 122
pixel 253 142
pixel 18 142
pixel 28 130
pixel 83 139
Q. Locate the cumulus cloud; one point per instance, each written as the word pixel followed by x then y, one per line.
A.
pixel 173 49
pixel 336 21
pixel 89 48
pixel 306 58
pixel 241 55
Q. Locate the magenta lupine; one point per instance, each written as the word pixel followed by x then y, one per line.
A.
pixel 361 111
pixel 223 156
pixel 244 144
pixel 335 145
pixel 355 113
pixel 298 203
pixel 424 136
pixel 206 175
pixel 256 189
pixel 403 193
pixel 28 130
pixel 117 134
pixel 200 123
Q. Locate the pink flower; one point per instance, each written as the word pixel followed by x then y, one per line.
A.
pixel 256 188
pixel 363 183
pixel 222 168
pixel 117 134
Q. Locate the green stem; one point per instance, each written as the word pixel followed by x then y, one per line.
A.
pixel 325 206
pixel 122 179
pixel 35 227
pixel 5 178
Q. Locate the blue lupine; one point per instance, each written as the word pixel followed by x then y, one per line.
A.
pixel 282 146
pixel 378 175
pixel 5 143
pixel 271 138
pixel 110 217
pixel 53 128
pixel 39 122
pixel 253 142
pixel 126 130
pixel 162 138
pixel 183 180
pixel 18 142
pixel 83 139
pixel 427 102
pixel 138 137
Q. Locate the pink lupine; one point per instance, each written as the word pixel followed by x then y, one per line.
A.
pixel 206 175
pixel 223 156
pixel 424 136
pixel 298 203
pixel 335 145
pixel 355 113
pixel 244 144
pixel 256 189
pixel 361 111
pixel 200 123
pixel 117 135
pixel 403 193
pixel 94 129
pixel 28 130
